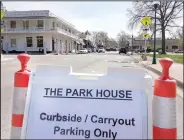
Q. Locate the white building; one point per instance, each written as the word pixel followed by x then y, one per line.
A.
pixel 31 31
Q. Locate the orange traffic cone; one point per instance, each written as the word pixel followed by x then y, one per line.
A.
pixel 164 104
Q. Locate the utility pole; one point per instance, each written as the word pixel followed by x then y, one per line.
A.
pixel 132 42
pixel 183 25
pixel 154 53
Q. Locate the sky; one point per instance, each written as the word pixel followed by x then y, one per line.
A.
pixel 110 17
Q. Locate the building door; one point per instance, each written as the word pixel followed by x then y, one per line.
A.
pixel 52 44
pixel 2 43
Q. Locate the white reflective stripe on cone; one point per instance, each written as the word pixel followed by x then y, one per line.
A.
pixel 16 132
pixel 164 112
pixel 19 100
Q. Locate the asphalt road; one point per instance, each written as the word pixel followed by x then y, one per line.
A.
pixel 83 63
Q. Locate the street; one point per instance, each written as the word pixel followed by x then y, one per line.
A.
pixel 83 63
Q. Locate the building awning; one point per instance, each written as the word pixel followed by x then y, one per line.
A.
pixel 77 42
pixel 82 43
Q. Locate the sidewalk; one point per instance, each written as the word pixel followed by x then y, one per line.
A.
pixel 176 70
pixel 5 59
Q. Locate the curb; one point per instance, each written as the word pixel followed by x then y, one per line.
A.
pixel 178 82
pixel 6 59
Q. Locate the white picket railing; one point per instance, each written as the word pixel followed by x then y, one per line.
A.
pixel 39 29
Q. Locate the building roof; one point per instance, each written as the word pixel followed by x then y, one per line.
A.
pixel 35 14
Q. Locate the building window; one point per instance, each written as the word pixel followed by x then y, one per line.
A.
pixel 40 24
pixel 174 47
pixel 13 42
pixel 167 47
pixel 39 41
pixel 2 41
pixel 12 24
pixel 53 25
pixel 26 24
pixel 29 41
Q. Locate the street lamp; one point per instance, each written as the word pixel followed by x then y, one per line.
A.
pixel 154 53
pixel 183 25
pixel 132 42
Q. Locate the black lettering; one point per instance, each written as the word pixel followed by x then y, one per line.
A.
pixel 68 117
pixel 79 119
pixel 129 94
pixel 49 118
pixel 82 92
pixel 43 116
pixel 75 93
pixel 108 93
pixel 72 131
pixel 114 121
pixel 89 93
pixel 53 91
pixel 114 94
pixel 104 134
pixel 87 134
pixel 47 89
pixel 121 121
pixel 114 134
pixel 121 94
pixel 100 120
pixel 133 122
pixel 94 116
pixel 54 117
pixel 64 118
pixel 62 132
pixel 127 122
pixel 59 91
pixel 74 118
pixel 56 129
pixel 58 117
pixel 68 90
pixel 99 93
pixel 97 132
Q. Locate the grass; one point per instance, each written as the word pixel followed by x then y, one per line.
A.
pixel 178 58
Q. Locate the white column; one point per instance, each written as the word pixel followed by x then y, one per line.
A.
pixel 25 46
pixel 71 45
pixel 44 47
pixel 7 46
pixel 44 24
pixel 61 46
pixel 58 46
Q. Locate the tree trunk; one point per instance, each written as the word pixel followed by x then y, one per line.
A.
pixel 163 40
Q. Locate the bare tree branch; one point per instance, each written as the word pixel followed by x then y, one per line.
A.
pixel 167 13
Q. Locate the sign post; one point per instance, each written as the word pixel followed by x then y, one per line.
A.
pixel 146 21
pixel 86 106
pixel 2 24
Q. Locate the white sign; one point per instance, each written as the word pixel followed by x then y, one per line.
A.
pixel 76 110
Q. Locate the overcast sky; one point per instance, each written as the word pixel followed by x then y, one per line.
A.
pixel 110 17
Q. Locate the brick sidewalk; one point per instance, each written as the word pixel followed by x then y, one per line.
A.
pixel 176 70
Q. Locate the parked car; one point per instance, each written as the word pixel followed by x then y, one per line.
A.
pixel 122 50
pixel 178 51
pixel 101 50
pixel 129 53
pixel 83 51
pixel 157 50
pixel 112 49
pixel 89 50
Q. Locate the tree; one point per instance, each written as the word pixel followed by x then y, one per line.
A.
pixel 179 36
pixel 112 43
pixel 123 39
pixel 101 38
pixel 167 13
